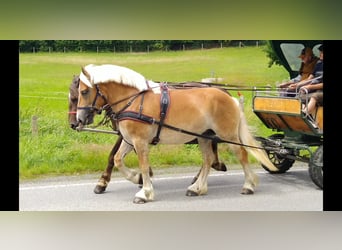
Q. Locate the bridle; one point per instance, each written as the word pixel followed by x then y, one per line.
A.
pixel 93 108
pixel 108 107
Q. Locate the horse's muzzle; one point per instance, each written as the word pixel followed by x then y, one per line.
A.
pixel 88 119
pixel 74 125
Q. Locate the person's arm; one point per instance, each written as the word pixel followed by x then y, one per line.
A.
pixel 305 82
pixel 291 81
pixel 309 87
pixel 298 78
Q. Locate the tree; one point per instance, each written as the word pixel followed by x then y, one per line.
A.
pixel 271 55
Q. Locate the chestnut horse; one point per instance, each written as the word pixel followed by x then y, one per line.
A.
pixel 147 113
pixel 106 175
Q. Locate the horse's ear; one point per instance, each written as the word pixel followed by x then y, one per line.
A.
pixel 84 71
pixel 85 77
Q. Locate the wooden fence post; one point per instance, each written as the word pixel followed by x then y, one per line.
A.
pixel 34 125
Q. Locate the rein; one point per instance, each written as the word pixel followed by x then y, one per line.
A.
pixel 150 120
pixel 122 114
pixel 126 98
pixel 210 137
pixel 234 87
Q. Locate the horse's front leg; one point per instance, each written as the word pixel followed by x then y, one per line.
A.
pixel 200 186
pixel 106 175
pixel 146 193
pixel 131 175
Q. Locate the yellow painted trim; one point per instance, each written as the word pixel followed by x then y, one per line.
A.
pixel 279 105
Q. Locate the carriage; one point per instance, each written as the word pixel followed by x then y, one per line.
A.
pixel 296 137
pixel 211 116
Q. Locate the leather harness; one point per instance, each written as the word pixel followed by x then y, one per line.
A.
pixel 164 105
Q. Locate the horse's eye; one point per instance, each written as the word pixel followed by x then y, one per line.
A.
pixel 84 92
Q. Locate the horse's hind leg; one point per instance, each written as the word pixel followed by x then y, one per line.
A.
pixel 217 165
pixel 251 179
pixel 200 186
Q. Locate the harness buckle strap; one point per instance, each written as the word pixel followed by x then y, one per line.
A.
pixel 164 105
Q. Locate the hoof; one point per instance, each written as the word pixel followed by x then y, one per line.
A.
pixel 99 189
pixel 139 200
pixel 191 193
pixel 247 191
pixel 219 166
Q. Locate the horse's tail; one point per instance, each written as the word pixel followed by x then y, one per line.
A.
pixel 248 139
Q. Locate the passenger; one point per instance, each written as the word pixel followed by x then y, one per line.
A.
pixel 315 77
pixel 314 90
pixel 307 66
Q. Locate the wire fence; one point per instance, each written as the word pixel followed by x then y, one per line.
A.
pixel 124 47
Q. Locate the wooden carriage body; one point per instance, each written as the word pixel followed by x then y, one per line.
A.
pixel 285 114
pixel 297 138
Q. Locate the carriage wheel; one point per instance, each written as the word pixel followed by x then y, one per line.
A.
pixel 281 162
pixel 316 167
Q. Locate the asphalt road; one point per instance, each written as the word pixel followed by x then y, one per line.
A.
pixel 291 191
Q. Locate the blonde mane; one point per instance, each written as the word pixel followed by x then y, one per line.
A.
pixel 107 73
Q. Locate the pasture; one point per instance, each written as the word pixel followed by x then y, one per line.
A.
pixel 55 149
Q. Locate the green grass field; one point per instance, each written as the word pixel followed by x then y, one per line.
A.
pixel 44 80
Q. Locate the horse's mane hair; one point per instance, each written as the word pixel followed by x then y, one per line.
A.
pixel 75 81
pixel 107 73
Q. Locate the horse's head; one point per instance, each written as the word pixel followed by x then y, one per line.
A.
pixel 73 99
pixel 90 99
